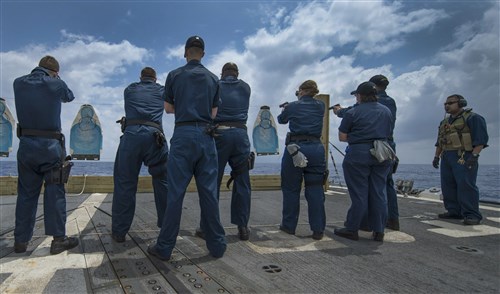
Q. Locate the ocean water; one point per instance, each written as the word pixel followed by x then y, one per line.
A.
pixel 423 175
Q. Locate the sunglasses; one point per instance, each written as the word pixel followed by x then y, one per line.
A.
pixel 450 103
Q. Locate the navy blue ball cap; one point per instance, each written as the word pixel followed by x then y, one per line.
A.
pixel 365 88
pixel 380 80
pixel 195 41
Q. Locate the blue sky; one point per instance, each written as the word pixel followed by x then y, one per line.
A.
pixel 427 49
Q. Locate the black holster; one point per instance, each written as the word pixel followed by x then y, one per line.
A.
pixel 251 160
pixel 60 174
pixel 66 169
pixel 318 182
pixel 325 176
pixel 395 165
pixel 210 129
pixel 123 123
pixel 160 139
pixel 238 170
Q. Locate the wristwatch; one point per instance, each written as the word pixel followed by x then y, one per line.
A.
pixel 475 154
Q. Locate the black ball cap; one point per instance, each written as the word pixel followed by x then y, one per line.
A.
pixel 195 41
pixel 380 80
pixel 365 88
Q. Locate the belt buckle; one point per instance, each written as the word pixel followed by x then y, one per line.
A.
pixel 223 127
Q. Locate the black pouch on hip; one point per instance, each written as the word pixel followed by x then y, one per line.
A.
pixel 65 171
pixel 325 176
pixel 60 174
pixel 395 165
pixel 210 129
pixel 123 123
pixel 160 139
pixel 251 160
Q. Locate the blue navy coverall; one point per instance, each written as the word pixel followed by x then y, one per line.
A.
pixel 364 175
pixel 392 199
pixel 38 98
pixel 458 183
pixel 194 91
pixel 143 101
pixel 233 145
pixel 305 117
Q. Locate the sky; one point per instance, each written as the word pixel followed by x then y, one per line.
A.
pixel 427 49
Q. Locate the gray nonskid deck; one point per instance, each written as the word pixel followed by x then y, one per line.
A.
pixel 428 255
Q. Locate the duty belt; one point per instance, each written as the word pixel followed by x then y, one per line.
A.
pixel 134 122
pixel 223 125
pixel 39 133
pixel 298 138
pixel 191 123
pixel 369 141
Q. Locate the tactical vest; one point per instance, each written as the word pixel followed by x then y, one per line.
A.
pixel 456 135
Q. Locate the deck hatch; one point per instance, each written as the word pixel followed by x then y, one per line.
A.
pixel 272 269
pixel 466 249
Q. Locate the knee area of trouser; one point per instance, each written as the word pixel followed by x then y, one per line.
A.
pixel 158 170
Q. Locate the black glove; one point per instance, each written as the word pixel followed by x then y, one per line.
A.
pixel 435 162
pixel 471 161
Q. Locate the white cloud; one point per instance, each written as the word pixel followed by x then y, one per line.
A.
pixel 176 52
pixel 69 37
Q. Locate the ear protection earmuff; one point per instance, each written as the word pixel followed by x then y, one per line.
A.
pixel 461 100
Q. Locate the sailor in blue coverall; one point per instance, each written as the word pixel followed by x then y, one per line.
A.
pixel 233 145
pixel 305 118
pixel 365 176
pixel 192 93
pixel 381 83
pixel 41 154
pixel 462 136
pixel 142 142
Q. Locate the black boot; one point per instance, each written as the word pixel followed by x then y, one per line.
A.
pixel 118 238
pixel 393 224
pixel 377 236
pixel 243 233
pixel 317 235
pixel 60 244
pixel 345 233
pixel 20 247
pixel 199 233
